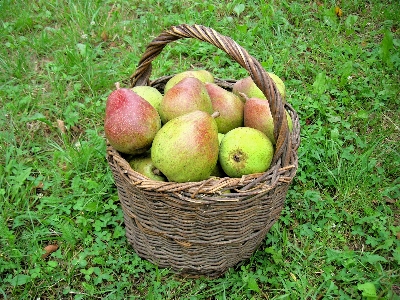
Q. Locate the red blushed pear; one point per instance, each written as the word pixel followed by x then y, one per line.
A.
pixel 186 148
pixel 228 105
pixel 186 96
pixel 130 122
pixel 257 115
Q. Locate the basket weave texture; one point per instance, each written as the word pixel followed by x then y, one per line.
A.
pixel 204 228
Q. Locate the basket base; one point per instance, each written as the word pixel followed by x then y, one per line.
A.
pixel 191 260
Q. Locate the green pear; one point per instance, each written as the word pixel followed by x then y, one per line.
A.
pixel 144 165
pixel 203 75
pixel 186 96
pixel 248 87
pixel 228 105
pixel 130 122
pixel 150 94
pixel 217 171
pixel 245 150
pixel 257 115
pixel 220 137
pixel 279 84
pixel 186 148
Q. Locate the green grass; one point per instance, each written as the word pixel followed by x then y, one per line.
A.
pixel 339 234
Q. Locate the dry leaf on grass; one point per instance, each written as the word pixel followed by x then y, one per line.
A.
pixel 61 126
pixel 49 249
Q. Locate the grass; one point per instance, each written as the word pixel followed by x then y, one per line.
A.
pixel 339 234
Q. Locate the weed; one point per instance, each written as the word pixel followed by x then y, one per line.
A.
pixel 338 234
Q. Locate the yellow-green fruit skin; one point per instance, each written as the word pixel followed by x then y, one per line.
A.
pixel 279 84
pixel 248 87
pixel 150 94
pixel 203 75
pixel 244 151
pixel 217 171
pixel 144 165
pixel 186 148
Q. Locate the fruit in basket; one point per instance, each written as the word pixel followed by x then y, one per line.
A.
pixel 228 105
pixel 279 84
pixel 248 87
pixel 245 150
pixel 186 96
pixel 130 122
pixel 217 171
pixel 203 75
pixel 144 165
pixel 257 114
pixel 150 94
pixel 186 148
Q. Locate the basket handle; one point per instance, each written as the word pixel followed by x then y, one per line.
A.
pixel 258 74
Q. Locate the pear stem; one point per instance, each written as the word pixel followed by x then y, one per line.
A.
pixel 244 96
pixel 215 114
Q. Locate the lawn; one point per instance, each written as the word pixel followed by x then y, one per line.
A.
pixel 338 236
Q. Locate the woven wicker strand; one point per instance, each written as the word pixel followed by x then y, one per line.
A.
pixel 207 227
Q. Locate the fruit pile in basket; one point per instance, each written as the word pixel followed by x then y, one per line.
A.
pixel 195 129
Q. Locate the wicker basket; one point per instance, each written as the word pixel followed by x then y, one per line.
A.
pixel 204 228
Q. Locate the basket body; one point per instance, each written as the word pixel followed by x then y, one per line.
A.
pixel 203 228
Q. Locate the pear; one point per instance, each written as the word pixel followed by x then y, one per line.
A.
pixel 186 96
pixel 248 87
pixel 228 105
pixel 257 114
pixel 245 151
pixel 203 75
pixel 144 165
pixel 186 148
pixel 279 84
pixel 150 94
pixel 217 171
pixel 130 122
pixel 220 137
